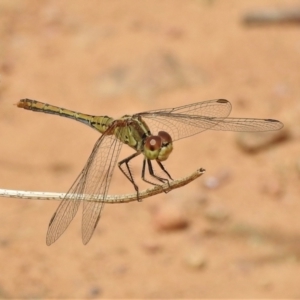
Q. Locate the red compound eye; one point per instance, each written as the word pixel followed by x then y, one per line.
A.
pixel 153 142
pixel 166 138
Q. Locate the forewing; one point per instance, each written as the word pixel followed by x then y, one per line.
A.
pixel 245 124
pixel 92 183
pixel 187 120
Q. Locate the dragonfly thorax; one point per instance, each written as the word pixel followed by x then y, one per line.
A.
pixel 158 146
pixel 134 132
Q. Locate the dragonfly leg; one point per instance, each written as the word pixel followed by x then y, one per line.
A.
pixel 163 168
pixel 151 172
pixel 127 171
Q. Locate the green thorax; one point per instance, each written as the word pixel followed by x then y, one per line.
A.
pixel 132 131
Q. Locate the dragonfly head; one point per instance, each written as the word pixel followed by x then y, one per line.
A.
pixel 158 146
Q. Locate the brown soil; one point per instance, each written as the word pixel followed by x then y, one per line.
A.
pixel 120 57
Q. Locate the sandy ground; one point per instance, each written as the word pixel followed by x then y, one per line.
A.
pixel 242 238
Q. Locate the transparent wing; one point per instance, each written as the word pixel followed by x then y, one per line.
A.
pixel 93 182
pixel 188 120
pixel 101 163
pixel 244 124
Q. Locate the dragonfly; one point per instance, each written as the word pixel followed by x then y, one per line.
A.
pixel 151 134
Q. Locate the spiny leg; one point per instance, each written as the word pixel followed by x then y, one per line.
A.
pixel 163 168
pixel 151 172
pixel 128 174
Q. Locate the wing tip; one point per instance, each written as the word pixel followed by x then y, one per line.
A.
pixel 277 122
pixel 222 101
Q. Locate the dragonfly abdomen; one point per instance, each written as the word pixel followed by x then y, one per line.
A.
pixel 100 123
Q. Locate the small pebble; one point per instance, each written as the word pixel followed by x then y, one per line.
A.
pixel 196 260
pixel 170 216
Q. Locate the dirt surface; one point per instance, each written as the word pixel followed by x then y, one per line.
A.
pixel 235 230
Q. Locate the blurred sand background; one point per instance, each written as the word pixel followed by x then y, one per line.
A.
pixel 239 233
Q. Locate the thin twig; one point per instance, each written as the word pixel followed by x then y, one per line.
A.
pixel 123 198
